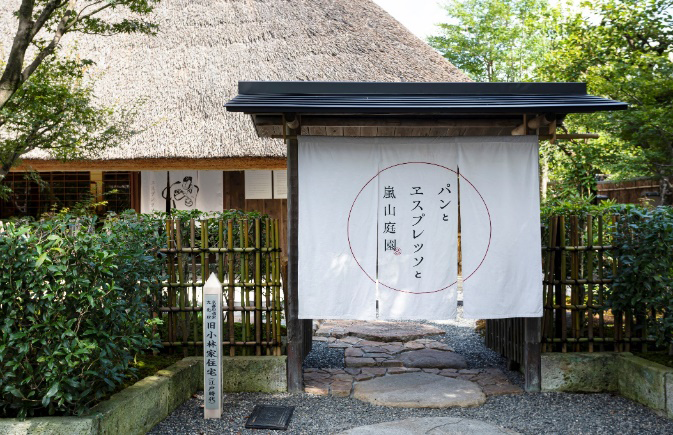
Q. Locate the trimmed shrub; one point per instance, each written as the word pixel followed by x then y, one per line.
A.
pixel 644 280
pixel 74 309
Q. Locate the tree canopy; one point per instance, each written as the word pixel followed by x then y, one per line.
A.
pixel 46 99
pixel 622 49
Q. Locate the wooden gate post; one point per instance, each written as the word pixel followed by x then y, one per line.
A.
pixel 295 327
pixel 532 354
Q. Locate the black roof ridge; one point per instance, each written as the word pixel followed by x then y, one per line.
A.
pixel 409 88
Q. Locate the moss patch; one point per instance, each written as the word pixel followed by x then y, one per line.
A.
pixel 661 357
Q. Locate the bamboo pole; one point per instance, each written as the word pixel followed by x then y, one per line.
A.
pixel 574 269
pixel 267 283
pixel 204 260
pixel 231 289
pixel 601 313
pixel 562 293
pixel 617 315
pixel 277 287
pixel 182 296
pixel 245 328
pixel 551 257
pixel 169 224
pixel 197 323
pixel 258 287
pixel 590 288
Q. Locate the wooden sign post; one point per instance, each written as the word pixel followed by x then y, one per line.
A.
pixel 212 348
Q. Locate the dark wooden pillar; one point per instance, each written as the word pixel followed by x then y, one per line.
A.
pixel 295 327
pixel 532 354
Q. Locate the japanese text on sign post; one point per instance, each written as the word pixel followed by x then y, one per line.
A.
pixel 212 348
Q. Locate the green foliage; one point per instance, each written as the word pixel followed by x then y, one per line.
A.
pixel 55 110
pixel 577 205
pixel 495 40
pixel 46 100
pixel 644 281
pixel 74 303
pixel 623 50
pixel 213 218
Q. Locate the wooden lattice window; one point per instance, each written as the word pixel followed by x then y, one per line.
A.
pixel 33 195
pixel 120 184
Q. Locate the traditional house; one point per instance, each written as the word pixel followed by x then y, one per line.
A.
pixel 186 73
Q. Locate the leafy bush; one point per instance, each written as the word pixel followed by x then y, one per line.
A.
pixel 644 281
pixel 75 309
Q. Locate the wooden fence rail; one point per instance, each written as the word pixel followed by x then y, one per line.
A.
pixel 245 256
pixel 579 265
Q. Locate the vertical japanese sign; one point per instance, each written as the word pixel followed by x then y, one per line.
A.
pixel 417 240
pixel 212 348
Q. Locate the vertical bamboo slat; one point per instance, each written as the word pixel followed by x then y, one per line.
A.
pixel 277 285
pixel 601 293
pixel 231 288
pixel 197 322
pixel 182 295
pixel 258 287
pixel 267 282
pixel 561 295
pixel 590 287
pixel 574 289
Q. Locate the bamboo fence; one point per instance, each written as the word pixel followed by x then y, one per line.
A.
pixel 245 256
pixel 579 264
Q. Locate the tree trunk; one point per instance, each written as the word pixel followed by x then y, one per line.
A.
pixel 666 190
pixel 12 75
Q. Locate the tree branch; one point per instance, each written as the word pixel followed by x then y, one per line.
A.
pixel 48 10
pixel 61 29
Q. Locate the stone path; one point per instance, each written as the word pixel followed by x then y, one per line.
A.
pixel 340 382
pixel 419 353
pixel 393 364
pixel 430 426
pixel 375 330
pixel 419 390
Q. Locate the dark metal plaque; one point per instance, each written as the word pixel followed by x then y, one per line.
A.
pixel 270 417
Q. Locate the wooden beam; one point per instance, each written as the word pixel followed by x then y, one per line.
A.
pixel 388 121
pixel 570 136
pixel 295 327
pixel 532 354
pixel 224 163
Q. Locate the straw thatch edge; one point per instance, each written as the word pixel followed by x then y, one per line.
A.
pixel 224 164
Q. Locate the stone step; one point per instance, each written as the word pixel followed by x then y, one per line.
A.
pixel 430 425
pixel 419 390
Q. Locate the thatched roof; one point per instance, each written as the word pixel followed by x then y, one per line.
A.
pixel 205 47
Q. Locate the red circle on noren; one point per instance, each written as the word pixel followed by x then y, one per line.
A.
pixel 490 227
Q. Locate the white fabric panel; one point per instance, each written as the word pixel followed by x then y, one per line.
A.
pixel 201 190
pixel 502 273
pixel 417 280
pixel 332 172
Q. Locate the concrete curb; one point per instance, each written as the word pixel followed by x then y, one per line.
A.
pixel 136 409
pixel 638 379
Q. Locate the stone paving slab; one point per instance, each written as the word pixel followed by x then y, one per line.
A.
pixel 430 426
pixel 419 390
pixel 319 381
pixel 432 358
pixel 375 330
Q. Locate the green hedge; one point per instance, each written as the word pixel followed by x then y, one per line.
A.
pixel 74 295
pixel 643 238
pixel 644 280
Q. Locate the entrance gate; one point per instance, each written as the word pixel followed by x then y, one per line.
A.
pixel 286 110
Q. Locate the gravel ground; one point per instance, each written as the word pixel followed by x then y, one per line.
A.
pixel 323 357
pixel 541 413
